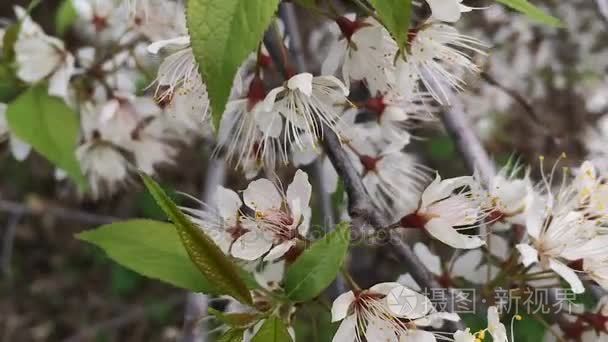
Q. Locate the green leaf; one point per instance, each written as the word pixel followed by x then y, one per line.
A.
pixel 318 266
pixel 223 33
pixel 65 17
pixel 232 335
pixel 529 329
pixel 124 282
pixel 10 86
pixel 395 16
pixel 532 12
pixel 273 330
pixel 50 126
pixel 235 320
pixel 441 148
pixel 313 323
pixel 150 248
pixel 8 41
pixel 221 272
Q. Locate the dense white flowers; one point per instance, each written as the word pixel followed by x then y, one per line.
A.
pixel 564 226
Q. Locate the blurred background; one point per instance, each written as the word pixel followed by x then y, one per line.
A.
pixel 543 91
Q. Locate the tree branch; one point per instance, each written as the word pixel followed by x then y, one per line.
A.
pixel 60 212
pixel 361 209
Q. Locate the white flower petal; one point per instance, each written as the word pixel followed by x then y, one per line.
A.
pixel 568 274
pixel 528 253
pixel 251 246
pixel 279 250
pixel 417 335
pixel 430 260
pixel 466 265
pixel 408 281
pixel 496 329
pixel 262 195
pixel 347 331
pixel 335 57
pixel 60 80
pixel 228 203
pixel 380 330
pixel 339 308
pixel 271 98
pixel 19 148
pixel 443 231
pixel 445 10
pixel 535 214
pixel 179 42
pixel 404 302
pixel 301 82
pixel 299 189
pixel 270 123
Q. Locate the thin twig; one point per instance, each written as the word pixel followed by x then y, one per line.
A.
pixel 602 6
pixel 129 317
pixel 60 212
pixel 7 243
pixel 515 96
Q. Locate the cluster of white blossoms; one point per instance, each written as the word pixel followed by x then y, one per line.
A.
pixel 566 228
pixel 393 312
pixel 124 127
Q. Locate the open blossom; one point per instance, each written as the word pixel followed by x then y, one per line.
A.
pixel 365 51
pixel 448 206
pixel 101 161
pixel 19 149
pixel 434 51
pixel 278 220
pixel 396 113
pixel 40 57
pixel 249 135
pixel 392 178
pixel 102 21
pixel 385 312
pixel 220 221
pixel 121 134
pixel 307 103
pixel 508 195
pixel 179 86
pixel 564 227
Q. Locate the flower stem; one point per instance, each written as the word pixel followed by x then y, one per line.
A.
pixel 350 280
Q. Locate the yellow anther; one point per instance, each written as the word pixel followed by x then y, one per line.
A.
pixel 564 155
pixel 518 317
pixel 541 157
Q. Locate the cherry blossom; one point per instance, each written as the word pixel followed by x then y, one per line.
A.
pixel 443 211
